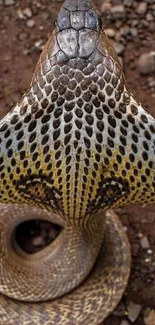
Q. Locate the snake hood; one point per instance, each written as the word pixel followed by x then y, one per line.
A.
pixel 77 142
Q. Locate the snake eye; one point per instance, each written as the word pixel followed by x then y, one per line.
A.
pixel 100 22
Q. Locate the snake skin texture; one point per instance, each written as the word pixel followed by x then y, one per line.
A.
pixel 76 145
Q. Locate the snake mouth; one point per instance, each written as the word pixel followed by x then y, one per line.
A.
pixel 34 235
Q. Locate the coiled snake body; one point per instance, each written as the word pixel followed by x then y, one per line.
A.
pixel 77 144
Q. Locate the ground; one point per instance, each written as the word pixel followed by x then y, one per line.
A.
pixel 25 25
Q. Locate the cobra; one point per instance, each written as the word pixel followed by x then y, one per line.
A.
pixel 77 144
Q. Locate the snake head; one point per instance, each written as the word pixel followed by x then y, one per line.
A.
pixel 77 29
pixel 77 142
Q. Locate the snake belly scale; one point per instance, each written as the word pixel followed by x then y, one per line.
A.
pixel 77 144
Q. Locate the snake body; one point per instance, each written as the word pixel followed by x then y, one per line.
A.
pixel 76 145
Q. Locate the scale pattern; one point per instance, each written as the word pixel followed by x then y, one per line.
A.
pixel 77 144
pixel 89 303
pixel 78 129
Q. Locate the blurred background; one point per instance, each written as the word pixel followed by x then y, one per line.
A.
pixel 25 26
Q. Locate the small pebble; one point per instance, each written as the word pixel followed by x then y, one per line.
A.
pixel 106 6
pixel 8 57
pixel 151 82
pixel 141 8
pixel 45 15
pixel 39 44
pixel 146 63
pixel 134 22
pixel 9 2
pixel 16 97
pixel 134 31
pixel 149 17
pixel 118 12
pixel 128 3
pixel 144 242
pixel 147 260
pixel 20 14
pixel 133 311
pixel 27 12
pixel 149 251
pixel 22 36
pixel 110 32
pixel 149 318
pixel 124 322
pixel 38 241
pixel 118 36
pixel 119 48
pixel 30 23
pixel 26 51
pixel 125 30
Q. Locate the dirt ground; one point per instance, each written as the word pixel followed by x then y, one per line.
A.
pixel 24 28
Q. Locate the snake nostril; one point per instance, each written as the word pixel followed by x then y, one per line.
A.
pixel 34 235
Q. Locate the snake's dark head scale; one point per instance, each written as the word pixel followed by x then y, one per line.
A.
pixel 78 16
pixel 78 142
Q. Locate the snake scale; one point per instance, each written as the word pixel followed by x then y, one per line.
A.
pixel 77 144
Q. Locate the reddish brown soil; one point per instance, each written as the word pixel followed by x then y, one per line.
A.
pixel 18 56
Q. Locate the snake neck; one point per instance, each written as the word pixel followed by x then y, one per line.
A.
pixel 77 142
